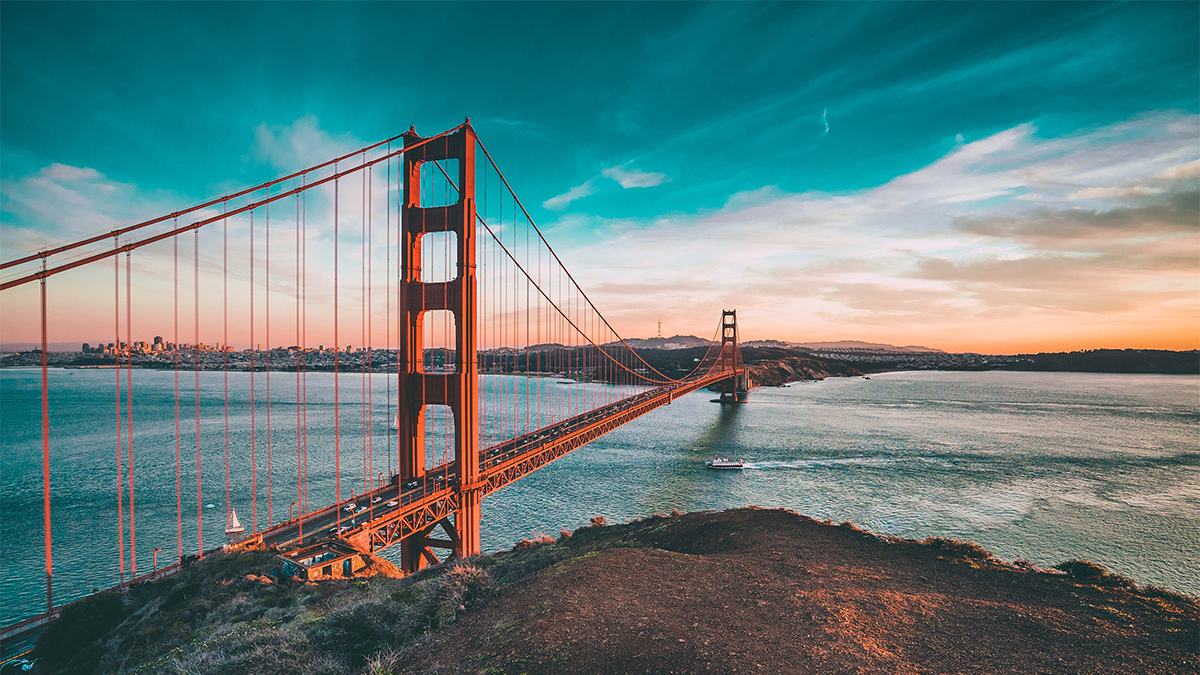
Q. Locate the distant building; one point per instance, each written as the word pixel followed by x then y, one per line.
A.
pixel 87 349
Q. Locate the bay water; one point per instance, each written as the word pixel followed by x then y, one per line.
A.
pixel 1038 466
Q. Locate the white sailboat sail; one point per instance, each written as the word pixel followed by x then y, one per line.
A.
pixel 234 526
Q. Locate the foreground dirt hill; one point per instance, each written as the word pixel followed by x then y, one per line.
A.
pixel 739 591
pixel 769 591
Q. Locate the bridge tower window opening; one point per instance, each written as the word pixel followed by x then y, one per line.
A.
pixel 439 257
pixel 438 421
pixel 439 183
pixel 439 328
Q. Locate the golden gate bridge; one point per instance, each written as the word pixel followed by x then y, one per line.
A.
pixel 470 286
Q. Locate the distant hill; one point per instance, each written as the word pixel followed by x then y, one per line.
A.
pixel 689 341
pixel 1112 361
pixel 847 344
pixel 674 342
pixel 13 347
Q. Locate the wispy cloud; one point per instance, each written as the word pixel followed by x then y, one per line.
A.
pixel 634 178
pixel 61 202
pixel 825 122
pixel 521 127
pixel 990 247
pixel 300 144
pixel 560 202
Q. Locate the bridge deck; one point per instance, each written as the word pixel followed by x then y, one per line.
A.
pixel 384 516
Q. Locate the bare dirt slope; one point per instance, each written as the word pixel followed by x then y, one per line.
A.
pixel 769 591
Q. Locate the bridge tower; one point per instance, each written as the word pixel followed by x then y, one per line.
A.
pixel 731 359
pixel 457 390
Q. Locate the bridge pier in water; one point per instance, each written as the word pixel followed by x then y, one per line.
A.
pixel 458 391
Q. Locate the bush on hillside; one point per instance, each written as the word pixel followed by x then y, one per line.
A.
pixel 80 624
pixel 1091 573
pixel 961 549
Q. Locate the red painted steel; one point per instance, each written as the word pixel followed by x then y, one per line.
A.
pixel 120 447
pixel 46 454
pixel 417 388
pixel 175 364
pixel 129 405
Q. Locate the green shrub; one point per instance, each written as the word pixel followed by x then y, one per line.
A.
pixel 1091 573
pixel 181 593
pixel 406 596
pixel 961 549
pixel 80 624
pixel 540 540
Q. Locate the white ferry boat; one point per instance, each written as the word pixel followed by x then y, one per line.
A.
pixel 720 463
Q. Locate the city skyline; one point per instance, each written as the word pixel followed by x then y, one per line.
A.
pixel 974 178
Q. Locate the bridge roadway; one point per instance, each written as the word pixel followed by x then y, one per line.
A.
pixel 384 516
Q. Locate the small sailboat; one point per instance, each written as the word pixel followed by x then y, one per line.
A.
pixel 396 421
pixel 234 526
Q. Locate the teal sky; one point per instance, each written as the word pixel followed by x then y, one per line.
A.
pixel 816 137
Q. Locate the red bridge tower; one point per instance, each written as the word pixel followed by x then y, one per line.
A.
pixel 456 390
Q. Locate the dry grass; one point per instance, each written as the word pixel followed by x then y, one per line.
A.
pixel 1091 573
pixel 968 550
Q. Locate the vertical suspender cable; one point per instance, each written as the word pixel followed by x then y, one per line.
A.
pixel 267 299
pixel 46 449
pixel 425 411
pixel 362 318
pixel 483 325
pixel 253 424
pixel 370 359
pixel 175 349
pixel 449 340
pixel 196 359
pixel 224 354
pixel 304 338
pixel 129 404
pixel 401 321
pixel 387 295
pixel 337 472
pixel 528 369
pixel 117 371
pixel 299 476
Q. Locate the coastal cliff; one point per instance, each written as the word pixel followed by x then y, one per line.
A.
pixel 777 372
pixel 745 590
